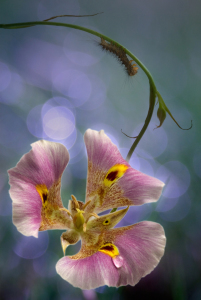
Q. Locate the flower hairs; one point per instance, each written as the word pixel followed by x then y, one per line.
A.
pixel 119 52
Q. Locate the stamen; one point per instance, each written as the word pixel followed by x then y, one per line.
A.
pixel 66 210
pixel 85 227
pixel 80 211
pixel 86 204
pixel 75 201
pixel 78 219
pixel 94 215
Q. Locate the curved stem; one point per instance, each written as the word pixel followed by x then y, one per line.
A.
pixel 152 98
pixel 153 90
pixel 105 37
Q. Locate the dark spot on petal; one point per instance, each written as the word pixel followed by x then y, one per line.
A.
pixel 108 248
pixel 112 176
pixel 44 195
pixel 106 222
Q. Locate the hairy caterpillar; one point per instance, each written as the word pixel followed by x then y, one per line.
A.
pixel 119 52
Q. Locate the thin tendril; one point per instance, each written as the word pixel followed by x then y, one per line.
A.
pixel 130 137
pixel 77 16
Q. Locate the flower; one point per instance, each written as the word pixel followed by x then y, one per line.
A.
pixel 108 256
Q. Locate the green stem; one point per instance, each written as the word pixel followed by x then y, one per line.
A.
pixel 153 90
pixel 152 98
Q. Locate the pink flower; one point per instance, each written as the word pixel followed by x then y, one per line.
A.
pixel 108 256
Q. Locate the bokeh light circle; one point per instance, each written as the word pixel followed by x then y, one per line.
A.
pixel 179 211
pixel 34 122
pixel 136 214
pixel 98 94
pixel 176 177
pixel 165 204
pixel 154 141
pixel 5 203
pixel 30 247
pixel 14 261
pixel 54 120
pixel 197 163
pixel 57 101
pixel 146 167
pixel 58 123
pixel 81 51
pixel 44 266
pixel 5 76
pixel 13 91
pixel 71 139
pixel 77 151
pixel 74 84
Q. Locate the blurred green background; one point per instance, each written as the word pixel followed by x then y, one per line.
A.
pixel 55 83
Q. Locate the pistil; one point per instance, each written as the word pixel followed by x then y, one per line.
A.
pixel 78 219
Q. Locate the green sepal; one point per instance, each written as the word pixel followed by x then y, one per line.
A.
pixel 162 110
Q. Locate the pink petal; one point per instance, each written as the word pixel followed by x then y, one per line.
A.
pixel 44 164
pixel 133 188
pixel 136 188
pixel 90 272
pixel 140 188
pixel 141 247
pixel 101 151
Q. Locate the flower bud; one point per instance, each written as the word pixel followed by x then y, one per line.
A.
pixel 161 114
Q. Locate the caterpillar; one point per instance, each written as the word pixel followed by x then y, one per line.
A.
pixel 119 52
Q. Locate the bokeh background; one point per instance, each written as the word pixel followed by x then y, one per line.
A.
pixel 55 83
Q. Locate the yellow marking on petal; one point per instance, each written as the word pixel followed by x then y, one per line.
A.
pixel 106 222
pixel 109 249
pixel 43 192
pixel 114 174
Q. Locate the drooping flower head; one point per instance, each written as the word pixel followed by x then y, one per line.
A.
pixel 108 256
